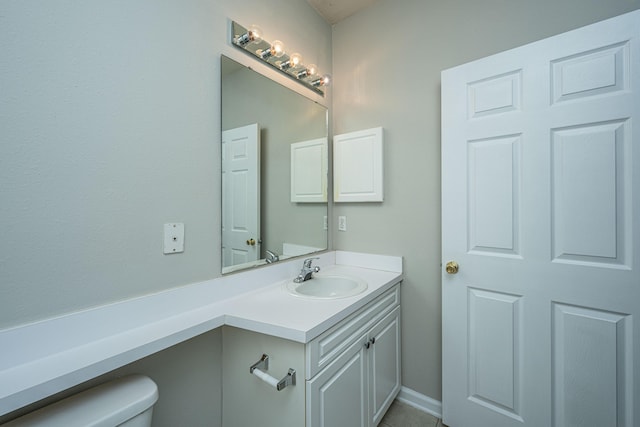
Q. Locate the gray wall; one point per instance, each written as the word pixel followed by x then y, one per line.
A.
pixel 110 127
pixel 387 63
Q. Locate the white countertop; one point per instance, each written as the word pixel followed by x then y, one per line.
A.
pixel 43 358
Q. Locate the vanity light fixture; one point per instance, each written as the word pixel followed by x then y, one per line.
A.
pixel 250 40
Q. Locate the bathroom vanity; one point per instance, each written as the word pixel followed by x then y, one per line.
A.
pixel 345 351
pixel 346 376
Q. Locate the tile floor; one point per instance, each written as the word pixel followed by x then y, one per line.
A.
pixel 402 415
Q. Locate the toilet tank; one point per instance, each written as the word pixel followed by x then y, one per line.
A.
pixel 126 401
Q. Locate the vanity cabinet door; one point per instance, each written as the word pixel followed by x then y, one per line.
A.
pixel 358 387
pixel 384 364
pixel 339 395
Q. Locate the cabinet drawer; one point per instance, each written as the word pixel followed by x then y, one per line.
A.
pixel 325 348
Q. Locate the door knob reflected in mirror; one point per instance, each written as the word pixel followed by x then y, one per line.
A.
pixel 251 242
pixel 452 267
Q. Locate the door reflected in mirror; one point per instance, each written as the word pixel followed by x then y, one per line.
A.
pixel 266 215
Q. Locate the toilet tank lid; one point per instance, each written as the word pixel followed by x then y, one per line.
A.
pixel 108 404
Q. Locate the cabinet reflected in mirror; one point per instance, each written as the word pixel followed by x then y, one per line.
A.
pixel 261 119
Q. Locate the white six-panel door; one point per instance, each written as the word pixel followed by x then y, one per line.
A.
pixel 541 212
pixel 240 195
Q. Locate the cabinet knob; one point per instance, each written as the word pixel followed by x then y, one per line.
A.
pixel 369 343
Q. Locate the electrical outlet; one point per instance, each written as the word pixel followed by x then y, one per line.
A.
pixel 342 223
pixel 173 238
pixel 325 223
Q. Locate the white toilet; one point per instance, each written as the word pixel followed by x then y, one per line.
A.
pixel 126 401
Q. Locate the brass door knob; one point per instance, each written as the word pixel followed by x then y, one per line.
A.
pixel 452 267
pixel 251 242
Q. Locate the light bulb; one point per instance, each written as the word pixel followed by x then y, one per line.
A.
pixel 276 50
pixel 312 70
pixel 294 60
pixel 322 81
pixel 253 35
pixel 309 71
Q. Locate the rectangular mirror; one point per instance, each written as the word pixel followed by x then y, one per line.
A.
pixel 262 221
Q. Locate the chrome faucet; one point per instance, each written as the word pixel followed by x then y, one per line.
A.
pixel 272 256
pixel 307 271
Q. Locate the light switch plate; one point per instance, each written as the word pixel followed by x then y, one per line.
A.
pixel 173 238
pixel 342 223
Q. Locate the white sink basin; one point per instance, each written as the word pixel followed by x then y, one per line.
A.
pixel 327 287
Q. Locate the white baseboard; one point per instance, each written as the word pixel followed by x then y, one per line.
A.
pixel 420 401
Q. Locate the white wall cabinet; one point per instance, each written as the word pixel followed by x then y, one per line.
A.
pixel 309 166
pixel 358 166
pixel 347 376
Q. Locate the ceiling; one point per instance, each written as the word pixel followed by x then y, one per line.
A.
pixel 334 11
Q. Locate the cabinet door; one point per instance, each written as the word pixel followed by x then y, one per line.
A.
pixel 384 361
pixel 338 396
